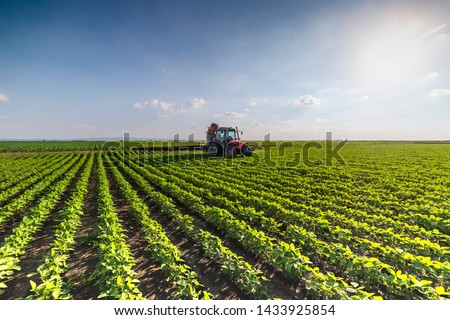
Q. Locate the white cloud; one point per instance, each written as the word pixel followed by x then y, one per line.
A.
pixel 4 97
pixel 156 104
pixel 197 103
pixel 321 120
pixel 439 92
pixel 256 123
pixel 138 105
pixel 181 109
pixel 230 114
pixel 165 106
pixel 307 100
pixel 141 105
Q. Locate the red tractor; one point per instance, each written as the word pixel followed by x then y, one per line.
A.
pixel 225 141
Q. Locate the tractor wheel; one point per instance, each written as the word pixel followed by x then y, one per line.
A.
pixel 215 148
pixel 231 151
pixel 247 151
pixel 219 150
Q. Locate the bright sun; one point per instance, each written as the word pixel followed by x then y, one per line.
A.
pixel 394 54
pixel 390 56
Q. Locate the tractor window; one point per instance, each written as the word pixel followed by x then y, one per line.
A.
pixel 220 135
pixel 231 135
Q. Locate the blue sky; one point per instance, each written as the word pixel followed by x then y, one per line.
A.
pixel 296 69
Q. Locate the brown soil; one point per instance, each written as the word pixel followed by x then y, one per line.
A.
pixel 278 286
pixel 152 280
pixel 83 260
pixel 14 221
pixel 83 270
pixel 208 271
pixel 19 285
pixel 205 268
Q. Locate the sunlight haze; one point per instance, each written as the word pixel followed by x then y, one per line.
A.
pixel 296 69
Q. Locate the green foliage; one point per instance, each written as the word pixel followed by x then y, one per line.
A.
pixel 269 199
pixel 178 272
pixel 277 253
pixel 376 228
pixel 54 265
pixel 245 276
pixel 30 193
pixel 15 244
pixel 33 146
pixel 117 277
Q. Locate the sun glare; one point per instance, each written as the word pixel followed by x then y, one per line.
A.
pixel 393 53
pixel 390 56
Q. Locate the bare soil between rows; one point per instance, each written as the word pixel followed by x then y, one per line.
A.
pixel 19 285
pixel 83 263
pixel 206 269
pixel 278 285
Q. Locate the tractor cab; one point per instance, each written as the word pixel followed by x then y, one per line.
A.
pixel 225 141
pixel 226 134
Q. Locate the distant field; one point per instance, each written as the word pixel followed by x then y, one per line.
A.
pixel 33 146
pixel 167 225
pixel 156 144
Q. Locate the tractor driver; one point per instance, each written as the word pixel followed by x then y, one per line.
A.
pixel 230 136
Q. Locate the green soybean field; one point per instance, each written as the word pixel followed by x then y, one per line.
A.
pixel 286 223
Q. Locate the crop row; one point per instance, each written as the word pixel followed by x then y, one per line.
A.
pixel 246 277
pixel 326 198
pixel 12 172
pixel 333 201
pixel 117 277
pixel 273 203
pixel 279 254
pixel 24 183
pixel 437 271
pixel 19 203
pixel 15 244
pixel 341 188
pixel 287 193
pixel 177 271
pixel 51 270
pixel 342 259
pixel 45 146
pixel 354 187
